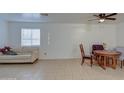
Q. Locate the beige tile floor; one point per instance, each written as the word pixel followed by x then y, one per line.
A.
pixel 58 70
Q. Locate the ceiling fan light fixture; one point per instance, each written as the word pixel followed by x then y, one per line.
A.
pixel 101 20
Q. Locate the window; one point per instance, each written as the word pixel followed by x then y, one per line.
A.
pixel 30 37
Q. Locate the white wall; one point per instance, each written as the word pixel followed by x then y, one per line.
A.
pixel 62 40
pixel 120 34
pixel 3 33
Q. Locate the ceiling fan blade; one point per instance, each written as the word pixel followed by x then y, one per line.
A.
pixel 111 14
pixel 93 19
pixel 96 15
pixel 110 18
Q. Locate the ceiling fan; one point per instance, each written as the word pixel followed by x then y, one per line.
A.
pixel 102 17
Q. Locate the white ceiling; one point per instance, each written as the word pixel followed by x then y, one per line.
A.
pixel 56 17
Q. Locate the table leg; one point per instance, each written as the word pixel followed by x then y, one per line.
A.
pixel 98 59
pixel 114 62
pixel 102 63
pixel 107 63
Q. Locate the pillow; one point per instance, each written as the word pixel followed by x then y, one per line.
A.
pixel 3 50
pixel 10 53
pixel 7 48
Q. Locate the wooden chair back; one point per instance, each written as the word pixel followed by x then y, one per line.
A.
pixel 82 50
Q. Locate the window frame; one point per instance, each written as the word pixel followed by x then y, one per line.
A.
pixel 31 45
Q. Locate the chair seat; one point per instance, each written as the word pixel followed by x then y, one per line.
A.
pixel 87 56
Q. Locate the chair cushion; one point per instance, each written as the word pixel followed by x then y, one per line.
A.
pixel 98 47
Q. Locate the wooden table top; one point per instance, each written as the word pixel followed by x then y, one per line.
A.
pixel 106 52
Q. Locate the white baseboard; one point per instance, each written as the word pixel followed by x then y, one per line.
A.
pixel 60 59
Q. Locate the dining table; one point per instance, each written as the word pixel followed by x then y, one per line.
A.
pixel 103 57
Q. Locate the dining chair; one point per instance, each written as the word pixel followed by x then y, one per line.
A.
pixel 121 58
pixel 96 47
pixel 83 56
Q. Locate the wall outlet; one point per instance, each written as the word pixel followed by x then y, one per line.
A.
pixel 45 53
